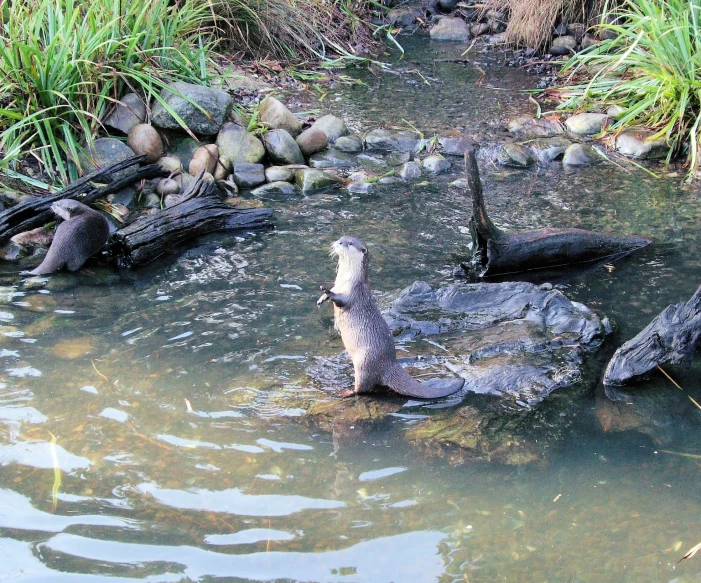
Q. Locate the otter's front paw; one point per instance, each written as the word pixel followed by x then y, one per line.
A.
pixel 347 393
pixel 325 295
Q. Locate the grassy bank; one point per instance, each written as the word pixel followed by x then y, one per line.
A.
pixel 651 69
pixel 64 63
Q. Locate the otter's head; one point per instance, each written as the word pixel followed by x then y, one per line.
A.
pixel 68 208
pixel 353 256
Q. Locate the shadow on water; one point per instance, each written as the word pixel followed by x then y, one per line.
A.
pixel 176 397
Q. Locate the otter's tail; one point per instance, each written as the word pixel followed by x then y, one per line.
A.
pixel 401 382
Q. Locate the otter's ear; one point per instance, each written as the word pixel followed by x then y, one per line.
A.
pixel 364 251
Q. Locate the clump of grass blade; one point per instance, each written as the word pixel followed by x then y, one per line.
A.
pixel 652 69
pixel 64 63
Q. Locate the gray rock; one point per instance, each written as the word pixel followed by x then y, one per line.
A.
pixel 332 158
pixel 275 115
pixel 282 148
pixel 349 144
pixel 181 98
pixel 334 127
pixel 410 171
pixel 358 176
pixel 311 141
pixel 388 180
pixel 447 5
pixel 12 251
pixel 249 175
pixel 545 150
pixel 479 29
pixel 496 26
pixel 638 144
pixel 129 112
pixel 238 146
pixel 460 183
pixel 586 123
pixel 450 29
pixel 514 155
pixel 167 186
pixel 577 29
pixel 576 155
pixel 126 196
pixel 278 187
pixel 498 39
pixel 563 45
pixel 183 149
pixel 530 127
pixel 589 40
pixel 436 164
pixel 402 16
pixel 279 174
pixel 615 110
pixel 104 152
pixel 360 187
pixel 560 29
pixel 152 201
pixel 399 140
pixel 311 179
pixel 456 145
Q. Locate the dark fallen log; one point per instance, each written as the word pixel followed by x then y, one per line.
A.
pixel 670 338
pixel 35 213
pixel 200 211
pixel 497 252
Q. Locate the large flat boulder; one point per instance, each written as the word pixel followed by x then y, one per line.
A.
pixel 188 101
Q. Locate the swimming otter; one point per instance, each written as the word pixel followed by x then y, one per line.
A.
pixel 83 233
pixel 365 333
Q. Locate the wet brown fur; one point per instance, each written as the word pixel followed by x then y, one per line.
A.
pixel 365 333
pixel 83 234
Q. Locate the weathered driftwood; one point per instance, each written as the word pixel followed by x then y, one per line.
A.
pixel 497 252
pixel 199 212
pixel 671 337
pixel 35 213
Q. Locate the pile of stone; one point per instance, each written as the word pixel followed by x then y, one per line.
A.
pixel 216 141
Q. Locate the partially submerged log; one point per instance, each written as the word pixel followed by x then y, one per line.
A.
pixel 35 213
pixel 670 338
pixel 497 252
pixel 199 212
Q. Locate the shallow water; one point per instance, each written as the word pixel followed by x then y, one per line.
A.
pixel 172 401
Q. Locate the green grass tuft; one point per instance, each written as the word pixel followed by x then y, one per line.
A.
pixel 652 69
pixel 64 63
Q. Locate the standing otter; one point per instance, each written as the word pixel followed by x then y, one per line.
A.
pixel 365 333
pixel 83 233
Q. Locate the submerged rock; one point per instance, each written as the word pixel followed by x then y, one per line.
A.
pixel 577 155
pixel 639 144
pixel 450 29
pixel 279 187
pixel 546 150
pixel 513 155
pixel 586 123
pixel 530 127
pixel 349 144
pixel 399 140
pixel 410 171
pixel 436 164
pixel 311 179
pixel 332 158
